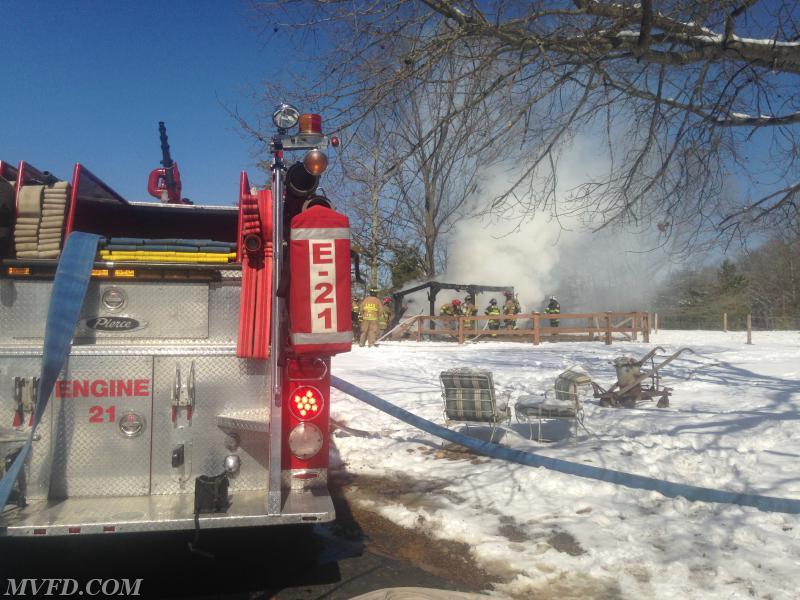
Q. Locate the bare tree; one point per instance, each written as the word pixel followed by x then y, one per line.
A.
pixel 419 186
pixel 696 99
pixel 365 163
pixel 773 270
pixel 438 173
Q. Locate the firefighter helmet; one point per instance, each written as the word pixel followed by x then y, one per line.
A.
pixel 508 294
pixel 492 301
pixel 386 300
pixel 456 302
pixel 373 291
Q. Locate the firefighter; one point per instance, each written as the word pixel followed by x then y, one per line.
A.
pixel 370 313
pixel 458 311
pixel 469 310
pixel 451 309
pixel 494 310
pixel 553 308
pixel 355 317
pixel 386 315
pixel 511 307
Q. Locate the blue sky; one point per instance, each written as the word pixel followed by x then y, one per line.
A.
pixel 88 82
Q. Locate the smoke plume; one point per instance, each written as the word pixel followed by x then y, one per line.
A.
pixel 541 256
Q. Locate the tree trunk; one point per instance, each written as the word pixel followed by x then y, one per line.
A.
pixel 373 255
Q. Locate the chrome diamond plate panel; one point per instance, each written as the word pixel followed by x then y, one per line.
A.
pixel 91 456
pixel 222 384
pixel 37 469
pixel 223 310
pixel 187 349
pixel 173 310
pixel 246 420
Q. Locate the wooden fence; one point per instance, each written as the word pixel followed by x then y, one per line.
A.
pixel 598 325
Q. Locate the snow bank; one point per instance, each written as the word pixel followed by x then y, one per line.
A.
pixel 733 424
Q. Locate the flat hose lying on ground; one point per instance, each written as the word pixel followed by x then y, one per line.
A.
pixel 630 480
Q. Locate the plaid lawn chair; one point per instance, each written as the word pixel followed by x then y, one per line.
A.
pixel 469 397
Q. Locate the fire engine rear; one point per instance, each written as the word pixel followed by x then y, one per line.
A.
pixel 197 389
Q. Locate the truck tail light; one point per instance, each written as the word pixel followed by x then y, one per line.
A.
pixel 305 441
pixel 306 403
pixel 304 429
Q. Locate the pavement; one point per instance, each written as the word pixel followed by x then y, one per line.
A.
pixel 332 561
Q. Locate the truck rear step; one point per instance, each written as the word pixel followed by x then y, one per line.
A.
pixel 162 513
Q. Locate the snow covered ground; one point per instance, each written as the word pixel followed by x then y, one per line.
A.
pixel 733 424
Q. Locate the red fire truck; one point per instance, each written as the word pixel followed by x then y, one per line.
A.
pixel 197 388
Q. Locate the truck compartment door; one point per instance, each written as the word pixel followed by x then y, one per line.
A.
pixel 102 423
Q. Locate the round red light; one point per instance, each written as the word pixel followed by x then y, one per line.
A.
pixel 305 402
pixel 335 142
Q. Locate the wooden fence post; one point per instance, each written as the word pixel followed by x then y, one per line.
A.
pixel 419 328
pixel 536 339
pixel 646 327
pixel 749 329
pixel 608 328
pixel 634 333
pixel 725 322
pixel 460 330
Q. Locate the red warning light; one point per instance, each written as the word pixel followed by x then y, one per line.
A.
pixel 305 403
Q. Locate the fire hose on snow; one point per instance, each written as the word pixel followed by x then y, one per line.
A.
pixel 669 489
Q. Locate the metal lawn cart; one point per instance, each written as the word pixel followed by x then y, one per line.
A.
pixel 628 390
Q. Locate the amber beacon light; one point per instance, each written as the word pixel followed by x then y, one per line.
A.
pixel 310 123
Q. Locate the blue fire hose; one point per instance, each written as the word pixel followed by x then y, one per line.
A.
pixel 69 289
pixel 630 480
